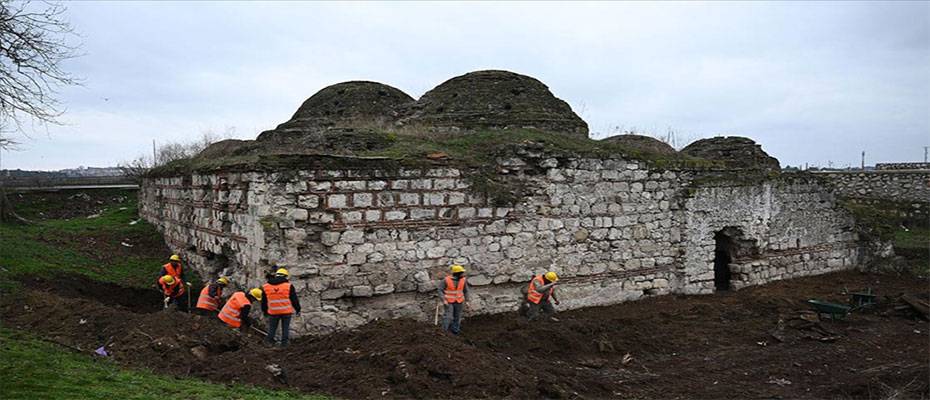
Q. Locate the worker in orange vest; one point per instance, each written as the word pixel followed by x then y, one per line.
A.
pixel 173 290
pixel 540 294
pixel 236 311
pixel 211 295
pixel 453 290
pixel 279 303
pixel 173 268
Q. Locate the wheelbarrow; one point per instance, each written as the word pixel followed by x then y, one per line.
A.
pixel 835 311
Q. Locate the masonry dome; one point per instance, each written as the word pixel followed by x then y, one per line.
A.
pixel 736 151
pixel 642 143
pixel 496 100
pixel 351 103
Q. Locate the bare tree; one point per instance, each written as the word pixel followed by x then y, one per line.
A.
pixel 173 151
pixel 33 46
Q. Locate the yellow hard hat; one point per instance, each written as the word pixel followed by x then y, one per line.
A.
pixel 457 268
pixel 282 272
pixel 223 281
pixel 168 279
pixel 256 293
pixel 551 276
pixel 174 257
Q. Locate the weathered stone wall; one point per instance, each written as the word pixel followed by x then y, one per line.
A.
pixel 901 186
pixel 367 241
pixel 786 229
pixel 905 166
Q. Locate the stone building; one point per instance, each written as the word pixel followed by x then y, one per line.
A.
pixel 364 237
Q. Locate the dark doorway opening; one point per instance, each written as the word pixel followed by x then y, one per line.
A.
pixel 723 256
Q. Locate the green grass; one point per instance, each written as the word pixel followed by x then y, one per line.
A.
pixel 31 249
pixel 33 369
pixel 914 246
pixel 475 149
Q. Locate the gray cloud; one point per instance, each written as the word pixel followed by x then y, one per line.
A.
pixel 811 82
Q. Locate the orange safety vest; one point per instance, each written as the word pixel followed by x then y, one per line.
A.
pixel 279 298
pixel 171 270
pixel 532 295
pixel 168 290
pixel 209 303
pixel 230 312
pixel 452 293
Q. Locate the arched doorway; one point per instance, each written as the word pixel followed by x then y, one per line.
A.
pixel 723 256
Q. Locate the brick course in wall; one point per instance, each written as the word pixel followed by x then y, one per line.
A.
pixel 368 242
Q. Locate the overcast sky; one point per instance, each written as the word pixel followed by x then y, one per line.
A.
pixel 810 82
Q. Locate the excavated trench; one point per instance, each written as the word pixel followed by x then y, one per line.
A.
pixel 746 344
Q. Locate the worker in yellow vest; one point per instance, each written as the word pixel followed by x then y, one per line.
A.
pixel 279 303
pixel 236 311
pixel 453 290
pixel 540 295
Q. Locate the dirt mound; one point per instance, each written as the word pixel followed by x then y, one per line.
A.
pixel 348 104
pixel 81 287
pixel 761 342
pixel 642 143
pixel 495 100
pixel 737 152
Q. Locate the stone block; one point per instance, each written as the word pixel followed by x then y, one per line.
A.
pixel 333 294
pixel 377 185
pixel 329 238
pixel 386 199
pixel 400 184
pixel 356 258
pixel 295 187
pixel 372 215
pixel 421 184
pixel 456 198
pixel 434 199
pixel 395 215
pixel 352 217
pixel 321 186
pixel 443 184
pixel 384 288
pixel 362 291
pixel 466 213
pixel 297 214
pixel 337 201
pixel 362 200
pixel 308 201
pixel 353 237
pixel 350 185
pixel 409 199
pixel 422 213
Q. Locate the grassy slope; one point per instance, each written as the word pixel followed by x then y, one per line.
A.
pixel 914 246
pixel 32 369
pixel 31 250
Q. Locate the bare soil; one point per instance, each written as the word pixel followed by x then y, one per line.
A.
pixel 760 342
